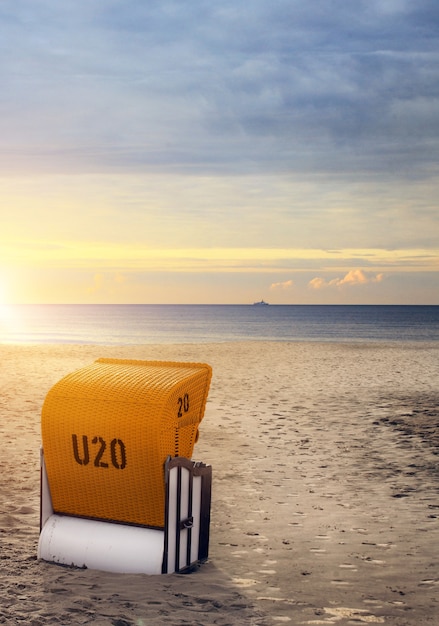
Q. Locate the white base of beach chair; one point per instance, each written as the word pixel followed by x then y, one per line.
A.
pixel 115 547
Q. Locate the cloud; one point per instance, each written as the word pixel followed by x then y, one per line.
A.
pixel 211 87
pixel 352 278
pixel 318 283
pixel 106 283
pixel 287 284
pixel 98 284
pixel 358 277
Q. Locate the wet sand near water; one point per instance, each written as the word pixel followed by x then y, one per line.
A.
pixel 325 496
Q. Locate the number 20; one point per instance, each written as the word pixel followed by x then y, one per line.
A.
pixel 183 405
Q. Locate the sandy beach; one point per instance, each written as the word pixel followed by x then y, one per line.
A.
pixel 325 504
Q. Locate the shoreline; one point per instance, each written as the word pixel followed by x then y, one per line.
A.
pixel 325 489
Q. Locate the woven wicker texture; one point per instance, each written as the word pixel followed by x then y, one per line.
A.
pixel 107 430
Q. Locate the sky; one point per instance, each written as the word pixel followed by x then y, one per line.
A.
pixel 210 151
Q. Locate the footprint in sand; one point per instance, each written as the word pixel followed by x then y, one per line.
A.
pixel 322 537
pixel 429 582
pixel 340 583
pixel 245 582
pixel 360 616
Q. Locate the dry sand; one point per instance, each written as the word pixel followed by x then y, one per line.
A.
pixel 325 497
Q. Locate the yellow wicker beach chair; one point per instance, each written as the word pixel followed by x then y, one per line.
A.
pixel 110 431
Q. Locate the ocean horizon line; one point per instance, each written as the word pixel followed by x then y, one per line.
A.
pixel 283 304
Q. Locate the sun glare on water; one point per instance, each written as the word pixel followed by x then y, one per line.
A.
pixel 7 317
pixel 6 313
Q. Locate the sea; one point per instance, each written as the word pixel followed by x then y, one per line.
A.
pixel 125 324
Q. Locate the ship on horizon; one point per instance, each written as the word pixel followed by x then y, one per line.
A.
pixel 261 303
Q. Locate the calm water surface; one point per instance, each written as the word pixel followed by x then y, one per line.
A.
pixel 143 324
